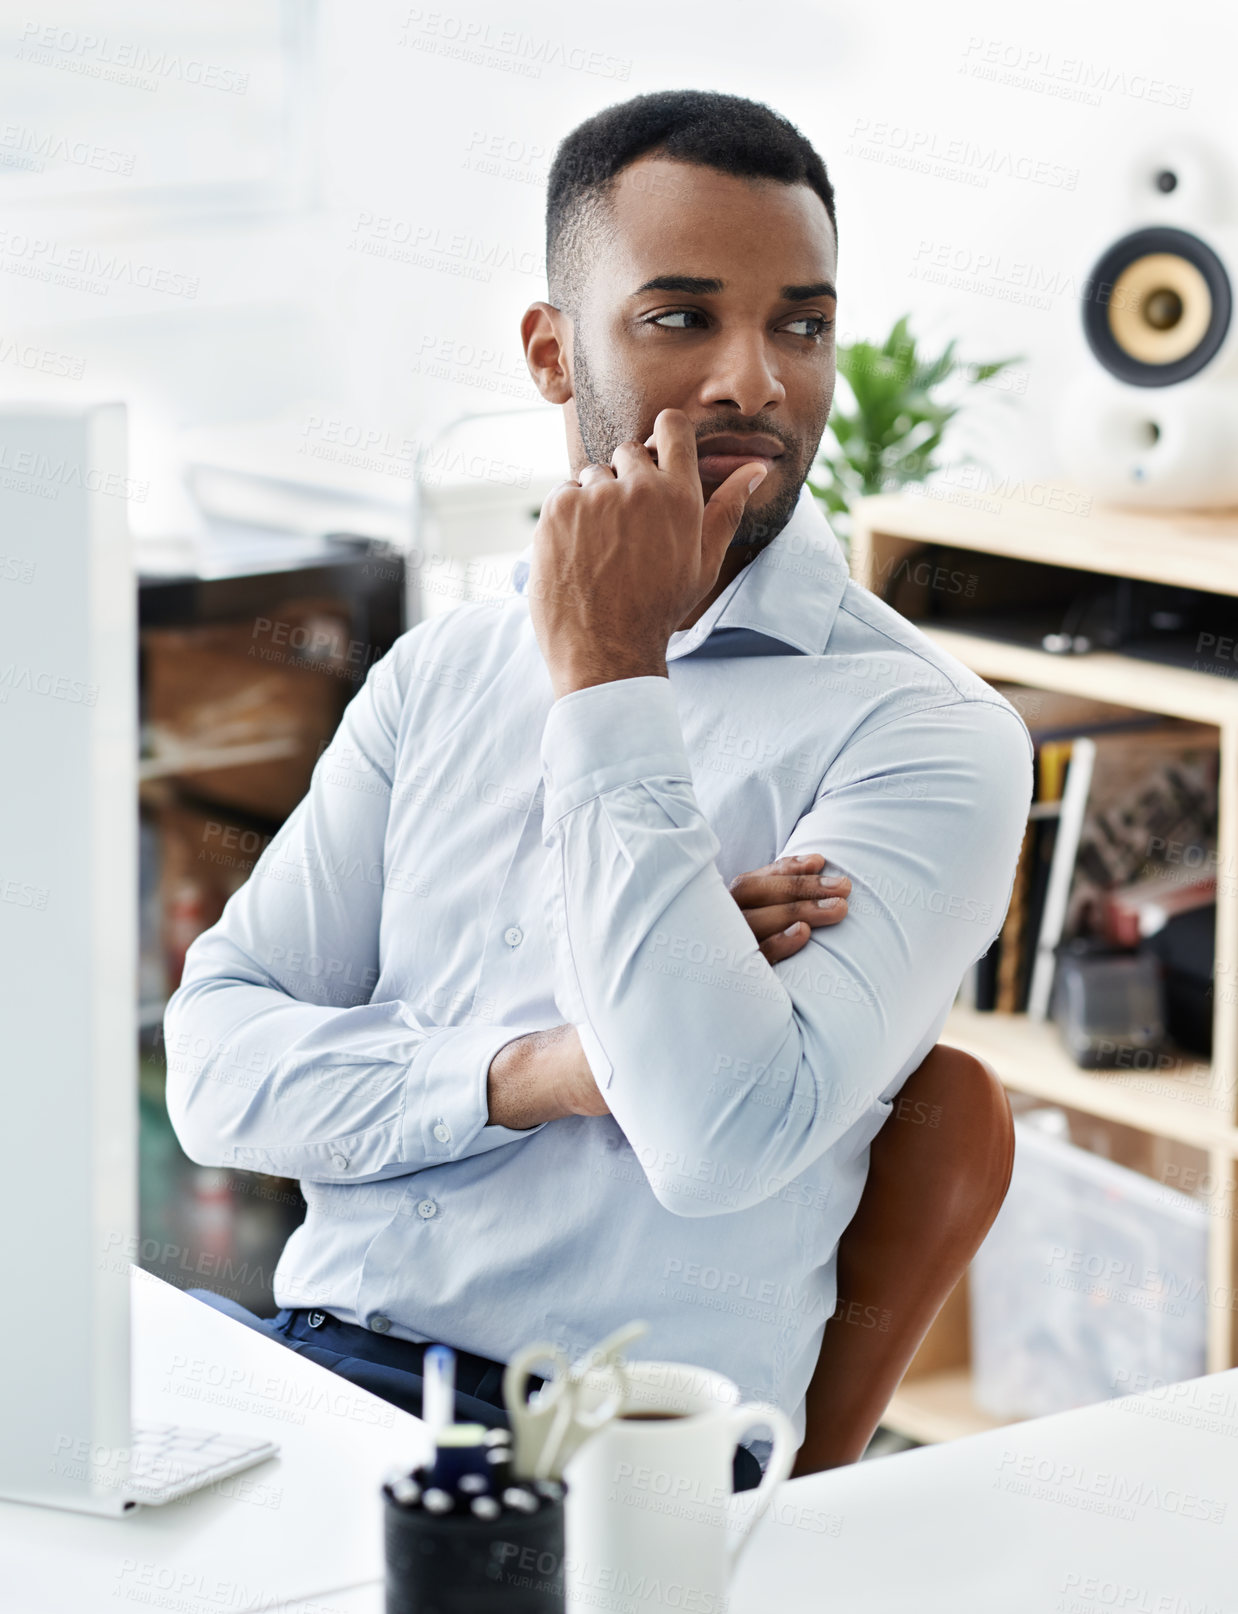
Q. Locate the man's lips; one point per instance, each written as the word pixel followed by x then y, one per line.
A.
pixel 717 457
pixel 717 467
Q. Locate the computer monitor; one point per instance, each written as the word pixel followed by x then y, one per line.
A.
pixel 68 969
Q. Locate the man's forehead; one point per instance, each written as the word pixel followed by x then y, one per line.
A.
pixel 672 217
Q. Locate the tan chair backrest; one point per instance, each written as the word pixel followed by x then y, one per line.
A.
pixel 938 1172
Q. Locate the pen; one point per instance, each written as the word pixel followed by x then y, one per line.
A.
pixel 438 1399
pixel 459 1448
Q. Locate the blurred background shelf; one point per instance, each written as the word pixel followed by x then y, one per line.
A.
pixel 1176 1109
pixel 1175 691
pixel 251 648
pixel 1192 548
pixel 1029 1057
pixel 171 761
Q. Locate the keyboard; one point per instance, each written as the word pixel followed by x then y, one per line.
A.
pixel 166 1460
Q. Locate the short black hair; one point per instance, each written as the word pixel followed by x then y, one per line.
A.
pixel 725 132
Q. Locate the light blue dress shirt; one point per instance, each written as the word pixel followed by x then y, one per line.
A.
pixel 475 860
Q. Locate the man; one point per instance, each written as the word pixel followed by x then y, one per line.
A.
pixel 556 1069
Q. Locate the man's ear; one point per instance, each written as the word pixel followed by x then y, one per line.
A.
pixel 546 332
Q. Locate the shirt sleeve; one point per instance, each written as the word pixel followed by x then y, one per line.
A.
pixel 278 1059
pixel 720 1068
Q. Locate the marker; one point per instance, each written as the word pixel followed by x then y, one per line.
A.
pixel 437 1501
pixel 459 1450
pixel 485 1507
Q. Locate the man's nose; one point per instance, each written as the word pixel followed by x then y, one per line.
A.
pixel 742 372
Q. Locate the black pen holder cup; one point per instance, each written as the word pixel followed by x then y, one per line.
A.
pixel 458 1564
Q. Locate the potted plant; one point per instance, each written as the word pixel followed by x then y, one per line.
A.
pixel 886 429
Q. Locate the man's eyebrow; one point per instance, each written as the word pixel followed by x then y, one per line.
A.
pixel 693 285
pixel 814 288
pixel 698 286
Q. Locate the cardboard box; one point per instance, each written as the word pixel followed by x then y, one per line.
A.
pixel 276 683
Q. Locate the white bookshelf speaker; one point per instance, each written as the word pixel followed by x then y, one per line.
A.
pixel 1153 419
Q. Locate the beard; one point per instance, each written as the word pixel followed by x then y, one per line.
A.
pixel 606 418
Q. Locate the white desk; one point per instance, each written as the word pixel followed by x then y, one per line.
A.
pixel 287 1533
pixel 1130 1506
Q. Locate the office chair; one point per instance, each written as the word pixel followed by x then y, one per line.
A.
pixel 938 1172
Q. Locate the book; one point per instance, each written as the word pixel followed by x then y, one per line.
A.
pixel 1053 718
pixel 1057 890
pixel 1133 802
pixel 1045 827
pixel 1010 956
pixel 986 975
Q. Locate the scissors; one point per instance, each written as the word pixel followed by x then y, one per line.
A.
pixel 549 1426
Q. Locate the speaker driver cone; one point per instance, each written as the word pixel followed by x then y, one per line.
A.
pixel 1157 307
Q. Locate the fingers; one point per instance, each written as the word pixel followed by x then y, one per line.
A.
pixel 785 944
pixel 724 508
pixel 780 891
pixel 799 863
pixel 814 912
pixel 676 445
pixel 588 474
pixel 631 456
pixel 790 891
pixel 567 486
pixel 763 888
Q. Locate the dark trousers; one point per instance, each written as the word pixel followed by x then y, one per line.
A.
pixel 392 1368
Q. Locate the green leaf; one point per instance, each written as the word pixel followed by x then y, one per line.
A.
pixel 890 416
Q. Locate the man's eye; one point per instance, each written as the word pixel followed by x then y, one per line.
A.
pixel 818 322
pixel 683 315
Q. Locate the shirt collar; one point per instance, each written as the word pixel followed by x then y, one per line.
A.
pixel 791 591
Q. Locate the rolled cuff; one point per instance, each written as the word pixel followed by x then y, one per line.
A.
pixel 607 736
pixel 446 1108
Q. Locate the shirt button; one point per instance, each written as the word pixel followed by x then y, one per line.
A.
pixel 340 1162
pixel 426 1209
pixel 442 1133
pixel 513 935
pixel 380 1325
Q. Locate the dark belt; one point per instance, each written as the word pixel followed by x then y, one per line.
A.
pixel 396 1365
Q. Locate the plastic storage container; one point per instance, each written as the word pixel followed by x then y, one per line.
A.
pixel 1091 1283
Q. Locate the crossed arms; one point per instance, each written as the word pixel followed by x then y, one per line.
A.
pixel 273 1067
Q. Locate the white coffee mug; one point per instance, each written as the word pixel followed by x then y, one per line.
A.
pixel 649 1494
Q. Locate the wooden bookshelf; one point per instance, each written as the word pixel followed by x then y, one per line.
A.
pixel 1186 1105
pixel 1195 1102
pixel 1120 680
pixel 1188 547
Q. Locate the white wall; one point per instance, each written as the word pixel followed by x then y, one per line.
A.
pixel 310 315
